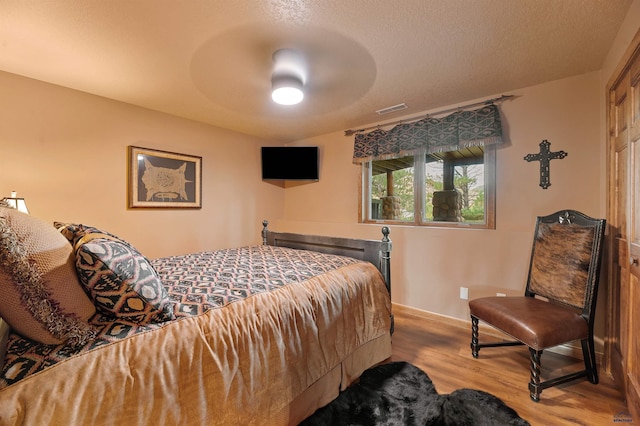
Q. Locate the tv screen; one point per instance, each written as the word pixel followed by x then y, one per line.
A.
pixel 290 162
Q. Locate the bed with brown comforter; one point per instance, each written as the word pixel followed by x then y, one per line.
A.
pixel 256 335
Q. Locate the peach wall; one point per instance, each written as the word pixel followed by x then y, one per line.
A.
pixel 66 152
pixel 430 264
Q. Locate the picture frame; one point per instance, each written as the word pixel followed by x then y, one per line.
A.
pixel 163 179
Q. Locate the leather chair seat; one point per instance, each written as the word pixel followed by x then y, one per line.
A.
pixel 538 324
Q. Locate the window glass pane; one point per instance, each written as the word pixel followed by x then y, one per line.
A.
pixel 392 193
pixel 433 183
pixel 470 182
pixel 454 187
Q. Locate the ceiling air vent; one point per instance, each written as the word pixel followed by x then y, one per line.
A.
pixel 391 109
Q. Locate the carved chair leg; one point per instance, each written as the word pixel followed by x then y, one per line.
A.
pixel 534 384
pixel 474 337
pixel 589 355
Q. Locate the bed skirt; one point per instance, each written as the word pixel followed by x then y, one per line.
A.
pixel 326 389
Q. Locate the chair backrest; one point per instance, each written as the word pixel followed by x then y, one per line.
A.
pixel 566 258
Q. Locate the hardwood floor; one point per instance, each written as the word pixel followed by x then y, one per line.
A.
pixel 440 346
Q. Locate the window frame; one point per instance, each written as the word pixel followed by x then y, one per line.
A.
pixel 489 159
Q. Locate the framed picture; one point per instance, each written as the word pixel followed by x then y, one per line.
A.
pixel 164 179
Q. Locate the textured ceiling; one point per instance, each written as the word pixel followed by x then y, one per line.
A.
pixel 210 60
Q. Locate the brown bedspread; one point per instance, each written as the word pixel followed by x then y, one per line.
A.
pixel 242 364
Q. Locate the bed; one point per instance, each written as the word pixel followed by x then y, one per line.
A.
pixel 256 335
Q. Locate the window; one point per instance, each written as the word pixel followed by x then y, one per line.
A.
pixel 454 188
pixel 433 171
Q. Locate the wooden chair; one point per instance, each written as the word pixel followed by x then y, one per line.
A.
pixel 559 301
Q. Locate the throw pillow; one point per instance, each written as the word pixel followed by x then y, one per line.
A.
pixel 121 281
pixel 40 296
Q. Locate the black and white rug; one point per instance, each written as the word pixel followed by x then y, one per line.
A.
pixel 399 393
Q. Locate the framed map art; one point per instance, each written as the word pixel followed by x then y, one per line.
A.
pixel 164 179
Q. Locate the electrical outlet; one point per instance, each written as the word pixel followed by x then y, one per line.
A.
pixel 501 295
pixel 464 293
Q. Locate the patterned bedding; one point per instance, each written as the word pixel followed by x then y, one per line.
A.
pixel 195 283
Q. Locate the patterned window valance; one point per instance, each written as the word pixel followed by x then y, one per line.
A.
pixel 451 133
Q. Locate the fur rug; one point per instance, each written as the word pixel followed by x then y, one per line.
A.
pixel 399 393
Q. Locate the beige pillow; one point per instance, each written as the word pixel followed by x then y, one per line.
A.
pixel 40 295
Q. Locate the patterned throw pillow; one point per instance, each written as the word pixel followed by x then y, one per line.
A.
pixel 40 296
pixel 120 281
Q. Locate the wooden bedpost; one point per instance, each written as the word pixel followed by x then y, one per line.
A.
pixel 265 231
pixel 385 258
pixel 385 262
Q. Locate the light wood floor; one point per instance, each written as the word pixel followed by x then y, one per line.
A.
pixel 440 347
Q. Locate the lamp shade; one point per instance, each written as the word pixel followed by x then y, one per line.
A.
pixel 17 203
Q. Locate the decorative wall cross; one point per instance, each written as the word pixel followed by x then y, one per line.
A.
pixel 544 157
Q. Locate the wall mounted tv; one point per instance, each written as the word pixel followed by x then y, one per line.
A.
pixel 290 163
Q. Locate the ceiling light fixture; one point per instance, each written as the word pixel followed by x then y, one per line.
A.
pixel 287 79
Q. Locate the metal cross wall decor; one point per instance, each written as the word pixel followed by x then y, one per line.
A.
pixel 544 157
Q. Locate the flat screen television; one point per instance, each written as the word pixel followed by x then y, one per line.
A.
pixel 290 163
